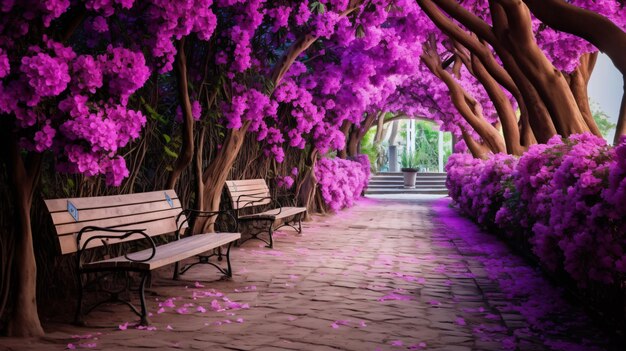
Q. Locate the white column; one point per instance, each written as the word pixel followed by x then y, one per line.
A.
pixel 440 151
pixel 410 137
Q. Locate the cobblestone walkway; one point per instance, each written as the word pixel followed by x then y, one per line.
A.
pixel 384 275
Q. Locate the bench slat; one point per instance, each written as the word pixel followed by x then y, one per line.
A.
pixel 245 182
pixel 82 203
pixel 256 188
pixel 237 187
pixel 110 212
pixel 67 242
pixel 169 253
pixel 75 227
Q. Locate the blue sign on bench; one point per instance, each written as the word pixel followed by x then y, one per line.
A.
pixel 72 210
pixel 169 200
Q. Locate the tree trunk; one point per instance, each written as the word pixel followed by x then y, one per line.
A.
pixel 467 106
pixel 512 78
pixel 500 101
pixel 199 200
pixel 470 42
pixel 620 130
pixel 527 136
pixel 380 130
pixel 477 149
pixel 345 129
pixel 353 143
pixel 216 174
pixel 593 27
pixel 357 133
pixel 186 153
pixel 578 82
pixel 518 38
pixel 529 99
pixel 25 318
pixel 503 107
pixel 307 190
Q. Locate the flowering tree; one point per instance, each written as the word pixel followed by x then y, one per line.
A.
pixel 509 28
pixel 312 76
pixel 68 78
pixel 249 41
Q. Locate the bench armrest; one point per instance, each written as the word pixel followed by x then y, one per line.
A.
pixel 277 205
pixel 119 234
pixel 194 214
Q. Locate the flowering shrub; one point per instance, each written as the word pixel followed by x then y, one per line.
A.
pixel 566 198
pixel 342 181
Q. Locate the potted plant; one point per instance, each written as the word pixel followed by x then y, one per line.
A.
pixel 409 163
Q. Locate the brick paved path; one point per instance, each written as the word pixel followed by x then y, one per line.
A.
pixel 384 275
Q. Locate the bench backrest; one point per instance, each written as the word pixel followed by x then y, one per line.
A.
pixel 153 211
pixel 248 193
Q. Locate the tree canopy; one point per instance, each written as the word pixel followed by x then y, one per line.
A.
pixel 77 79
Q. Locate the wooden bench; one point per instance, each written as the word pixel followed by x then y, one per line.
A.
pixel 85 223
pixel 254 193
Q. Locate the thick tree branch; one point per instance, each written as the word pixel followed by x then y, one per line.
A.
pixel 187 150
pixel 513 79
pixel 301 45
pixel 503 106
pixel 593 27
pixel 465 104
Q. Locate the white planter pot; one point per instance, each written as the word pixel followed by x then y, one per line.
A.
pixel 409 179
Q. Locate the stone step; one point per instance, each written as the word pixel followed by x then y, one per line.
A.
pixel 438 191
pixel 385 174
pixel 402 177
pixel 401 186
pixel 383 183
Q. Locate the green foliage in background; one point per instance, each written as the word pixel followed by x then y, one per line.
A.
pixel 425 145
pixel 602 120
pixel 368 147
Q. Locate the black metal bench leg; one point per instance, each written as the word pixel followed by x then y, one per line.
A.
pixel 300 224
pixel 142 297
pixel 219 253
pixel 271 231
pixel 78 317
pixel 176 271
pixel 229 272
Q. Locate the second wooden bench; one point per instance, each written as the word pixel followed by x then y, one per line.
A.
pixel 255 194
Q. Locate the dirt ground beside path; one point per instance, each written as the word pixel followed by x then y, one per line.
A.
pixel 387 274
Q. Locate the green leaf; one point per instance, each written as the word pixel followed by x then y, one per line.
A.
pixel 169 152
pixel 167 138
pixel 317 7
pixel 360 31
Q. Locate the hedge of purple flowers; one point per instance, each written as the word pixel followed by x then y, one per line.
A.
pixel 341 181
pixel 565 199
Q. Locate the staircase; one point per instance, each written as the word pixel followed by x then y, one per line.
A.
pixel 393 183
